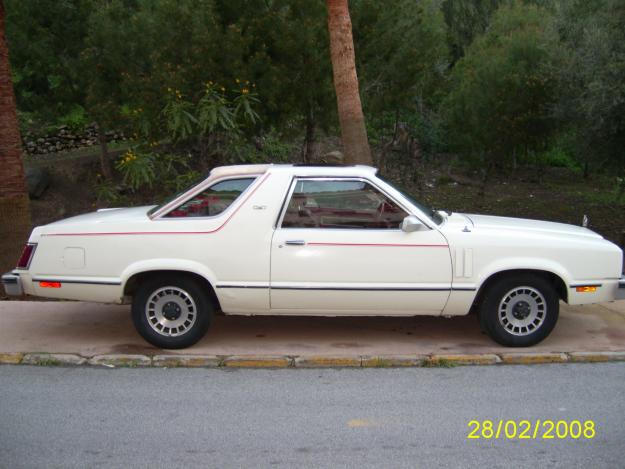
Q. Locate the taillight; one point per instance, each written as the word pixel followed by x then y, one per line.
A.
pixel 27 255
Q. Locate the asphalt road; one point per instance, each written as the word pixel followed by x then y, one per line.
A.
pixel 89 417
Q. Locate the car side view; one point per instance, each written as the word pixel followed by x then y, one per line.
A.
pixel 316 240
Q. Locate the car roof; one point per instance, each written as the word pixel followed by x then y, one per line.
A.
pixel 299 170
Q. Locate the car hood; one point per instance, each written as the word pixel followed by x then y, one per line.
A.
pixel 521 225
pixel 108 215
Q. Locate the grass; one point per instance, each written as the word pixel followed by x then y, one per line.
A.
pixel 439 363
pixel 48 362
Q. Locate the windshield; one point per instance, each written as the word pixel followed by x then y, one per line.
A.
pixel 430 212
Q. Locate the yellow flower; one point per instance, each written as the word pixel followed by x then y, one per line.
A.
pixel 237 80
pixel 245 91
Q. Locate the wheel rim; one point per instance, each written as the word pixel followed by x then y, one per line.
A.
pixel 522 311
pixel 170 311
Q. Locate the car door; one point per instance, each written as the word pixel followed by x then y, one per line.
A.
pixel 338 249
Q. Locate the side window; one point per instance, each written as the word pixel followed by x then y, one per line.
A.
pixel 340 204
pixel 213 200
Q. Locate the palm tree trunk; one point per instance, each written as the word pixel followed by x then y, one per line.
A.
pixel 353 131
pixel 310 150
pixel 14 203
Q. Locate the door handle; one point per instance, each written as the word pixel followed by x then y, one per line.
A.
pixel 295 242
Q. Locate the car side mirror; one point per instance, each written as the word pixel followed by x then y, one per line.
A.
pixel 412 223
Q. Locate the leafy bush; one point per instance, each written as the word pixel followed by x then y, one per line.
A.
pixel 105 191
pixel 503 88
pixel 173 171
pixel 142 167
pixel 75 119
pixel 138 168
pixel 214 111
pixel 557 157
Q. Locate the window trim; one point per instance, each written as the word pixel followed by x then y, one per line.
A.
pixel 293 184
pixel 201 187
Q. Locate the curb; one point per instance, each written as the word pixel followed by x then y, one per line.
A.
pixel 286 361
pixel 11 358
pixel 53 359
pixel 594 357
pixel 114 360
pixel 186 361
pixel 461 359
pixel 531 358
pixel 257 361
pixel 327 362
pixel 393 361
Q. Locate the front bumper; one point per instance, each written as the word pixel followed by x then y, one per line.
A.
pixel 620 291
pixel 12 284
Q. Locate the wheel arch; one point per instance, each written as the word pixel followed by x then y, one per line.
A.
pixel 555 279
pixel 134 280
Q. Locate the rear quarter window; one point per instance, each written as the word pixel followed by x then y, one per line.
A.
pixel 212 201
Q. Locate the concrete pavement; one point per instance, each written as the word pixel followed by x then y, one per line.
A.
pixel 89 330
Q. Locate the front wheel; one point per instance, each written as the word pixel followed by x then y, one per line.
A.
pixel 171 312
pixel 519 311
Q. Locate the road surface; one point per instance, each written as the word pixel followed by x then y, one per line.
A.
pixel 97 417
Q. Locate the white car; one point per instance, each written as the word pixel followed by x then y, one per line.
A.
pixel 316 240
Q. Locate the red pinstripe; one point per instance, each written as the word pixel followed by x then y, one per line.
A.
pixel 131 233
pixel 381 245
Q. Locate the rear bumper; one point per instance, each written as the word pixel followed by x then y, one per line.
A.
pixel 620 292
pixel 12 284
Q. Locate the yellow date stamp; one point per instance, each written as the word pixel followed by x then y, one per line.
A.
pixel 531 430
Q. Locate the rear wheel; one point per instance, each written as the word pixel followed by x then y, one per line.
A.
pixel 171 312
pixel 519 311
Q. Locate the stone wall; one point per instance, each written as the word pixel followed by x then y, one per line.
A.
pixel 64 139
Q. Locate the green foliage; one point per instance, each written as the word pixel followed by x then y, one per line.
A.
pixel 179 181
pixel 138 168
pixel 141 167
pixel 179 121
pixel 402 54
pixel 591 98
pixel 275 149
pixel 174 172
pixel 484 78
pixel 502 89
pixel 466 20
pixel 215 112
pixel 215 120
pixel 268 148
pixel 76 118
pixel 106 193
pixel 556 157
pixel 46 38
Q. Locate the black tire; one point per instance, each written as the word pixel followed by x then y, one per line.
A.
pixel 159 300
pixel 527 317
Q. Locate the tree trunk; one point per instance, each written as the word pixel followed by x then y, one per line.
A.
pixel 105 162
pixel 310 147
pixel 354 134
pixel 204 144
pixel 14 203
